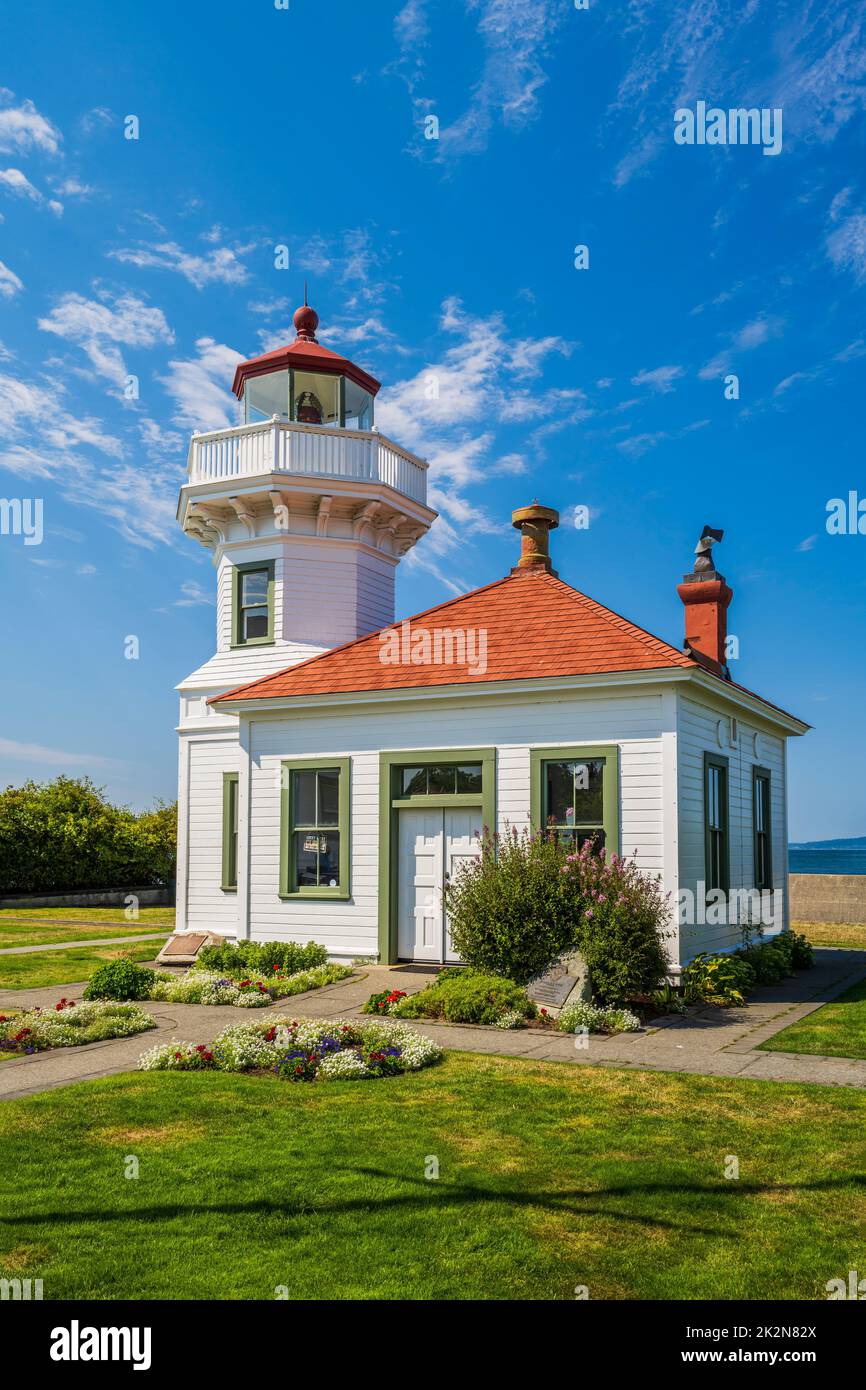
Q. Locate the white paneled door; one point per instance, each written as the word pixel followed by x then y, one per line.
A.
pixel 431 846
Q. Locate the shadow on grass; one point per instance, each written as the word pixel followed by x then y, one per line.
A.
pixel 442 1195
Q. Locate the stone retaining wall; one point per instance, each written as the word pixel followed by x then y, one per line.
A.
pixel 94 897
pixel 828 897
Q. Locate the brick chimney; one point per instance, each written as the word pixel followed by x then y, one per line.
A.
pixel 706 597
pixel 534 524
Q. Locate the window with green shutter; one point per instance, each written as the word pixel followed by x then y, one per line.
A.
pixel 717 869
pixel 762 827
pixel 314 858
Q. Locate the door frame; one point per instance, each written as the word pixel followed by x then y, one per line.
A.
pixel 390 805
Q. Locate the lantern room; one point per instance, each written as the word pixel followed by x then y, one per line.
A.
pixel 306 383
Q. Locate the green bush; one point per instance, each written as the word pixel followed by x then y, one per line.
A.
pixel 624 920
pixel 120 979
pixel 511 911
pixel 466 996
pixel 802 954
pixel 717 979
pixel 770 960
pixel 63 835
pixel 261 958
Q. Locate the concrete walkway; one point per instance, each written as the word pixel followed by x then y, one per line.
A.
pixel 709 1042
pixel 94 941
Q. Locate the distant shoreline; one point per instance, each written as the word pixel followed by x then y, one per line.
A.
pixel 826 861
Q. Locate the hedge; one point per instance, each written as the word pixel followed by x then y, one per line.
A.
pixel 64 835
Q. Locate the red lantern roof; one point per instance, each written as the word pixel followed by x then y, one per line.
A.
pixel 305 354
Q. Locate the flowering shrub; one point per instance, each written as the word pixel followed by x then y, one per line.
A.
pixel 596 1018
pixel 71 1025
pixel 199 986
pixel 303 1050
pixel 513 1018
pixel 466 996
pixel 528 900
pixel 381 1003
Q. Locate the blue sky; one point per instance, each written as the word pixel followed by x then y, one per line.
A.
pixel 600 387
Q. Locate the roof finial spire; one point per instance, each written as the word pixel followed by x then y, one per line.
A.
pixel 306 321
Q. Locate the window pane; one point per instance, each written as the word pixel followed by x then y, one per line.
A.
pixel 559 781
pixel 265 396
pixel 254 587
pixel 588 792
pixel 469 777
pixel 304 797
pixel 255 622
pixel 329 796
pixel 359 407
pixel 442 780
pixel 317 398
pixel 329 860
pixel 413 781
pixel 306 859
pixel 595 837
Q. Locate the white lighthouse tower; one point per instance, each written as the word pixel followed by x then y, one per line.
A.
pixel 307 510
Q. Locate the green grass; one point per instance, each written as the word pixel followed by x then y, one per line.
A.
pixel 837 1029
pixel 852 936
pixel 38 926
pixel 38 970
pixel 550 1176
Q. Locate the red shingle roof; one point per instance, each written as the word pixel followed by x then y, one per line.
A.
pixel 536 626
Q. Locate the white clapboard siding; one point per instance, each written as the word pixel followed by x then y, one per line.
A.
pixel 207 906
pixel 633 721
pixel 697 732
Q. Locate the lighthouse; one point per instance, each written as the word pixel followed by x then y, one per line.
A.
pixel 305 508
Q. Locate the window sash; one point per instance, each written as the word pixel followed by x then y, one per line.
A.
pixel 230 832
pixel 314 856
pixel 717 851
pixel 253 606
pixel 762 825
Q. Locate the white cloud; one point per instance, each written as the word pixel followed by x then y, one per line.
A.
pixel 201 388
pixel 101 327
pixel 74 188
pixel 516 38
pixel 38 753
pixel 752 335
pixel 97 118
pixel 220 266
pixel 192 594
pixel 808 543
pixel 23 128
pixel 9 282
pixel 28 406
pixel 20 186
pixel 846 246
pixel 660 378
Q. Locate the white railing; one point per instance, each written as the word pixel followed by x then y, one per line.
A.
pixel 313 450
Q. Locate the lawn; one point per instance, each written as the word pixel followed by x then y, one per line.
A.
pixel 833 933
pixel 551 1176
pixel 38 926
pixel 837 1029
pixel 37 970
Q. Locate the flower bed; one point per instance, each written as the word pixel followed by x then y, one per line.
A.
pixel 126 980
pixel 303 1050
pixel 199 986
pixel 596 1018
pixel 71 1025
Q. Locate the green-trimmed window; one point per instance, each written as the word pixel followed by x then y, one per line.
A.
pixel 253 604
pixel 716 842
pixel 440 779
pixel 314 860
pixel 575 793
pixel 762 826
pixel 230 831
